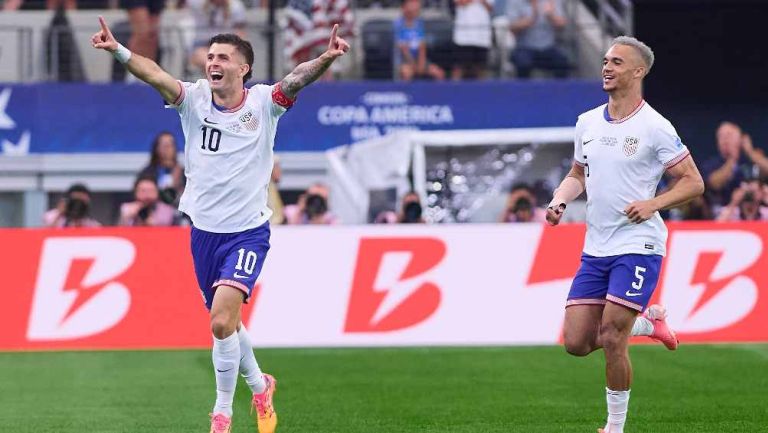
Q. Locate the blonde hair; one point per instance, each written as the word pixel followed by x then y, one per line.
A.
pixel 646 53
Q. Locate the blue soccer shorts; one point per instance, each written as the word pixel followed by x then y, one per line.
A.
pixel 627 279
pixel 231 259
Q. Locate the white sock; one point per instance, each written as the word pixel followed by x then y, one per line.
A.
pixel 618 403
pixel 226 357
pixel 642 326
pixel 249 368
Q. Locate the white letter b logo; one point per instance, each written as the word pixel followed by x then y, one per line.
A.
pixel 74 296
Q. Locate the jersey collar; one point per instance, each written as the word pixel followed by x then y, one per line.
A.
pixel 608 118
pixel 223 109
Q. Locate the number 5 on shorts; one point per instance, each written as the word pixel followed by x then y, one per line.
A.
pixel 637 285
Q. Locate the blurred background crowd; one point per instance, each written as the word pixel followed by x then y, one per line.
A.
pixel 394 41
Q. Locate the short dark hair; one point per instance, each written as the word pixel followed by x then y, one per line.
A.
pixel 241 45
pixel 521 185
pixel 78 187
pixel 144 177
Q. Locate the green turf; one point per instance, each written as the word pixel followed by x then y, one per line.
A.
pixel 532 389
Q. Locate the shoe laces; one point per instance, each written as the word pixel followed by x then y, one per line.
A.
pixel 260 402
pixel 220 422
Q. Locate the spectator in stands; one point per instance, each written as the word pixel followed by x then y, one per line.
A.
pixel 411 210
pixel 522 207
pixel 411 49
pixel 146 209
pixel 311 208
pixel 274 201
pixel 165 168
pixel 756 155
pixel 535 24
pixel 747 203
pixel 212 17
pixel 144 17
pixel 471 38
pixel 73 210
pixel 305 27
pixel 698 209
pixel 12 5
pixel 725 172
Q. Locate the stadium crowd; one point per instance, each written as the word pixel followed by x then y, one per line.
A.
pixel 736 180
pixel 464 39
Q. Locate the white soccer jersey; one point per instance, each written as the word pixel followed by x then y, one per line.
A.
pixel 623 162
pixel 227 157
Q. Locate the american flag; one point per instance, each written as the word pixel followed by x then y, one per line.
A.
pixel 307 24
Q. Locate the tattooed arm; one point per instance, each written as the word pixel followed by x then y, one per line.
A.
pixel 307 72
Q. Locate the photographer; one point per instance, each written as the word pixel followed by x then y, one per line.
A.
pixel 311 208
pixel 146 209
pixel 746 203
pixel 411 210
pixel 521 206
pixel 165 168
pixel 73 210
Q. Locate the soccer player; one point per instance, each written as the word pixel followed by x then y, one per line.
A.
pixel 229 133
pixel 622 149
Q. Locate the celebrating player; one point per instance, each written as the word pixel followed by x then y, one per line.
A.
pixel 229 133
pixel 621 151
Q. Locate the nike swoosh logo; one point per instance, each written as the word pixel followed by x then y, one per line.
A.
pixel 224 371
pixel 630 294
pixel 208 121
pixel 587 142
pixel 240 276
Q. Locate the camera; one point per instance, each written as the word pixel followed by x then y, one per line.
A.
pixel 76 209
pixel 412 212
pixel 144 212
pixel 315 205
pixel 168 195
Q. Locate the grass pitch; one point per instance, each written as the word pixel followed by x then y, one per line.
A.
pixel 698 389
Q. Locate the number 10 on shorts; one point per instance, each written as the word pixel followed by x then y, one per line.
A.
pixel 250 261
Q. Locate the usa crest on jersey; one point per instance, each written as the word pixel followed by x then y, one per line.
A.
pixel 630 146
pixel 249 121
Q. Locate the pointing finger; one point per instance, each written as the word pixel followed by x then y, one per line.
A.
pixel 333 32
pixel 104 27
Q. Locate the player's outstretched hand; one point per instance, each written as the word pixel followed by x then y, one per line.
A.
pixel 554 213
pixel 103 39
pixel 337 46
pixel 640 211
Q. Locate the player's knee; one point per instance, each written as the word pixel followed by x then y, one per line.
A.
pixel 612 338
pixel 576 343
pixel 577 347
pixel 222 325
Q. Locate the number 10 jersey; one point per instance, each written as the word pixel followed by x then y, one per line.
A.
pixel 228 157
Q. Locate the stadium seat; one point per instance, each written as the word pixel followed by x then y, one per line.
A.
pixel 439 35
pixel 378 46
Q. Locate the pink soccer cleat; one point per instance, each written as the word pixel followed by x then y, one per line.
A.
pixel 661 331
pixel 220 423
pixel 266 417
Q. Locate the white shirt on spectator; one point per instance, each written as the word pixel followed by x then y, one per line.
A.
pixel 211 19
pixel 228 158
pixel 623 162
pixel 472 26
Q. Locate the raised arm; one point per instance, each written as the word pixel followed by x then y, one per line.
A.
pixel 307 72
pixel 754 155
pixel 143 68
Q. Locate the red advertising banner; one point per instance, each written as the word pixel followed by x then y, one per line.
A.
pixel 361 286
